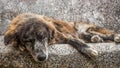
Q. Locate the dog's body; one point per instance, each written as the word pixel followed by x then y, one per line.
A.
pixel 36 32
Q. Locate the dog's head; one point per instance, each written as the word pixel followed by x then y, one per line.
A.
pixel 34 36
pixel 37 46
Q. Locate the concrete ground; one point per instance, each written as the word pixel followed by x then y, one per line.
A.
pixel 62 56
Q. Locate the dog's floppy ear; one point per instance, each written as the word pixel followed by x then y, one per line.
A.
pixel 9 38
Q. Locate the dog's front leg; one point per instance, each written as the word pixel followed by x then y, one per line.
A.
pixel 80 45
pixel 83 48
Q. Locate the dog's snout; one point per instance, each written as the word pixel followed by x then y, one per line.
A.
pixel 41 57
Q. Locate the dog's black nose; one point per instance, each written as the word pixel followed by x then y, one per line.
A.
pixel 41 57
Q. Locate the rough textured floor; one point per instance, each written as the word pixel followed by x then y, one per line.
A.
pixel 62 56
pixel 105 13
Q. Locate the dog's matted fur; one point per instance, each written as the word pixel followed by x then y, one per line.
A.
pixel 36 33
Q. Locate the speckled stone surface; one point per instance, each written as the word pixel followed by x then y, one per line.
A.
pixel 62 56
pixel 105 13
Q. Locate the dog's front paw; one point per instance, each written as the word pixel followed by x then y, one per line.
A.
pixel 90 52
pixel 117 38
pixel 96 39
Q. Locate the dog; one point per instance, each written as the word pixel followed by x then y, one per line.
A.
pixel 35 33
